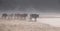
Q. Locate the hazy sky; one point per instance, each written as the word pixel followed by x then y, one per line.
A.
pixel 43 6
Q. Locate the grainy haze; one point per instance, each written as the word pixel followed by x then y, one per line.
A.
pixel 43 7
pixel 38 6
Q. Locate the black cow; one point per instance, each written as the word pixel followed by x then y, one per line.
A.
pixel 4 15
pixel 34 16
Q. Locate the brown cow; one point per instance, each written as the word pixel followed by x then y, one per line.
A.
pixel 21 16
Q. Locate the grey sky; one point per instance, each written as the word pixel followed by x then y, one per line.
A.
pixel 30 5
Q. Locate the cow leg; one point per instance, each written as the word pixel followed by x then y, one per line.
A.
pixel 4 17
pixel 21 18
pixel 35 19
pixel 30 19
pixel 24 18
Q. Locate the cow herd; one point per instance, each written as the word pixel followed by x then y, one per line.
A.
pixel 21 16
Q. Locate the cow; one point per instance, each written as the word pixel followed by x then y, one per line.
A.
pixel 24 16
pixel 17 16
pixel 34 16
pixel 4 15
pixel 10 16
pixel 21 16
